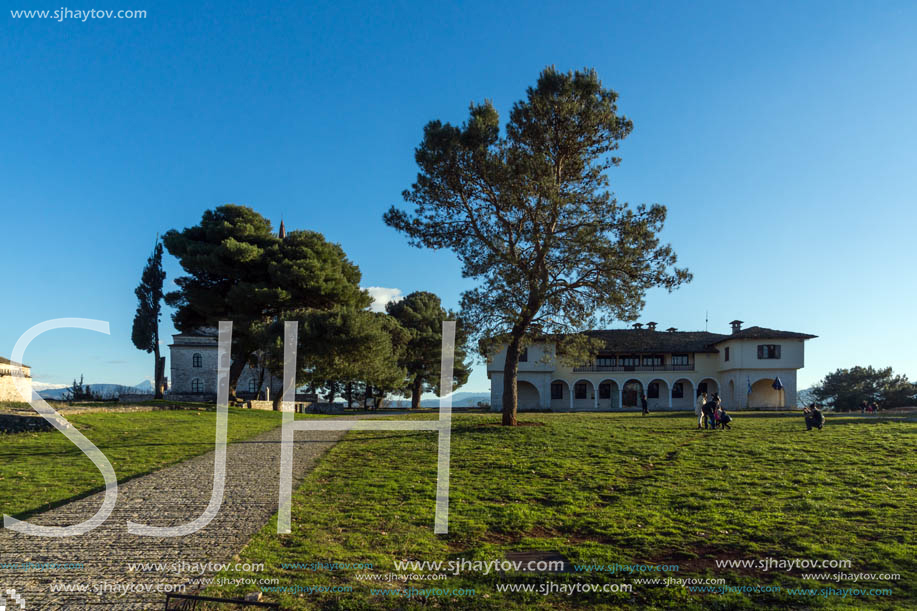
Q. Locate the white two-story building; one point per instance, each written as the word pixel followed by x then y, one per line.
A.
pixel 671 367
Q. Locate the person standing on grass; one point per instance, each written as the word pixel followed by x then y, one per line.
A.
pixel 709 408
pixel 699 408
pixel 863 406
pixel 643 404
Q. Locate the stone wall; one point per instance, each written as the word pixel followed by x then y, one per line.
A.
pixel 9 390
pixel 17 423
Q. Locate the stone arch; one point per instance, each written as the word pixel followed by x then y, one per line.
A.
pixel 613 400
pixel 708 384
pixel 528 397
pixel 562 403
pixel 763 394
pixel 587 401
pixel 662 391
pixel 686 398
pixel 632 390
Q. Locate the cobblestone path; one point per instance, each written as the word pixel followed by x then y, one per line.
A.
pixel 169 497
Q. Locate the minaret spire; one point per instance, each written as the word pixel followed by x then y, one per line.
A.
pixel 283 232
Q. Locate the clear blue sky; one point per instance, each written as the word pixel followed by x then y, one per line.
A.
pixel 780 136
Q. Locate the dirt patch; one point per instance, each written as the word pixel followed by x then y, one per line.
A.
pixel 703 558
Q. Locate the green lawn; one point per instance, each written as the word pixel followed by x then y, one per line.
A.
pixel 604 489
pixel 41 470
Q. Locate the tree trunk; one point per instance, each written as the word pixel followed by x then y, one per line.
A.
pixel 235 372
pixel 510 391
pixel 158 373
pixel 415 392
pixel 348 394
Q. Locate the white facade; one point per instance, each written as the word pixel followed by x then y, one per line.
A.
pixel 672 368
pixel 9 390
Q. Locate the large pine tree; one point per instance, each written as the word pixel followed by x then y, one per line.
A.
pixel 530 215
pixel 421 314
pixel 239 270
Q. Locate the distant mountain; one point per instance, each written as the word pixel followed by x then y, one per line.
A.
pixel 56 392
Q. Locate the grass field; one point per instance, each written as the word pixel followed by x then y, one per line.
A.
pixel 602 489
pixel 41 470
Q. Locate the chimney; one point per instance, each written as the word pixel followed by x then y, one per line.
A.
pixel 671 329
pixel 736 326
pixel 638 325
pixel 651 326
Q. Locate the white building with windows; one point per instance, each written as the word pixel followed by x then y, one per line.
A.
pixel 671 367
pixel 193 359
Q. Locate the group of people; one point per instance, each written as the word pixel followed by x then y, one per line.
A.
pixel 869 407
pixel 711 413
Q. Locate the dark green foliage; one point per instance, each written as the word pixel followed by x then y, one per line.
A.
pixel 80 392
pixel 347 346
pixel 421 315
pixel 239 270
pixel 845 389
pixel 145 330
pixel 531 216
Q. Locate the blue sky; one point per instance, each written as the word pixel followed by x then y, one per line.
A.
pixel 779 135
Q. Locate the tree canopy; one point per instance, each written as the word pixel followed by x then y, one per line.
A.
pixel 145 329
pixel 421 315
pixel 530 215
pixel 846 389
pixel 239 270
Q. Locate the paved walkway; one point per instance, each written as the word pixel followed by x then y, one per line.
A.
pixel 169 497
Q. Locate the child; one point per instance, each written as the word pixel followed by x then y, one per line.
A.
pixel 722 418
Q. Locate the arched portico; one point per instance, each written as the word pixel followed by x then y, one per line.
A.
pixel 561 395
pixel 763 394
pixel 583 396
pixel 608 395
pixel 630 397
pixel 683 395
pixel 658 394
pixel 708 385
pixel 528 397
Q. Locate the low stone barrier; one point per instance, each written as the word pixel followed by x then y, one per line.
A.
pixel 135 398
pixel 262 405
pixel 20 423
